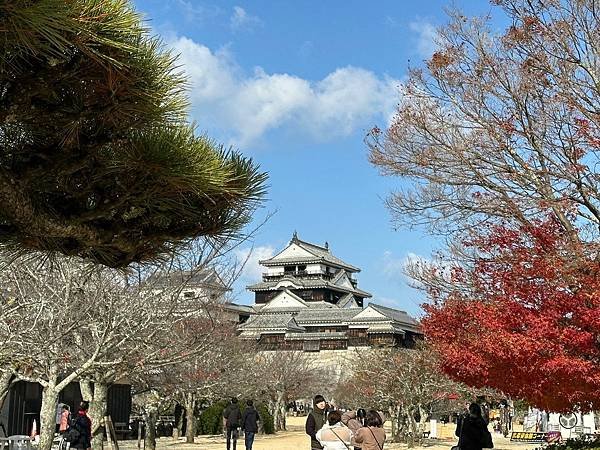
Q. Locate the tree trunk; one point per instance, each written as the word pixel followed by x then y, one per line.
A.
pixel 272 408
pixel 423 416
pixel 5 384
pixel 283 411
pixel 394 420
pixel 150 416
pixel 48 415
pixel 413 428
pixel 96 394
pixel 178 426
pixel 190 406
pixel 397 423
pixel 279 411
pixel 139 435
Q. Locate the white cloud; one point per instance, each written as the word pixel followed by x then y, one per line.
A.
pixel 346 100
pixel 241 19
pixel 193 12
pixel 395 267
pixel 250 256
pixel 388 301
pixel 427 37
pixel 392 266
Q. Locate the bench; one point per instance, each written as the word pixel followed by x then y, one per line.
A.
pixel 426 434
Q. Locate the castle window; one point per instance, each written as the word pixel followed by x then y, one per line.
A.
pixel 312 346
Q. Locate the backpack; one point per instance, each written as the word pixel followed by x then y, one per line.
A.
pixel 73 433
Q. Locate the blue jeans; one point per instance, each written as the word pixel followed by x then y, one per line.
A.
pixel 249 438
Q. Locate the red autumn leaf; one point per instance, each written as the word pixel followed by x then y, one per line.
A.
pixel 530 324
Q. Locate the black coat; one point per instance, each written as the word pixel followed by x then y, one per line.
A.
pixel 314 422
pixel 232 415
pixel 83 425
pixel 473 434
pixel 250 420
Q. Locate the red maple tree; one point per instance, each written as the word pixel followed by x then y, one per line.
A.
pixel 529 322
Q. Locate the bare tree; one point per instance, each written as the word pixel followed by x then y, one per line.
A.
pixel 87 323
pixel 501 127
pixel 405 383
pixel 209 376
pixel 61 300
pixel 278 378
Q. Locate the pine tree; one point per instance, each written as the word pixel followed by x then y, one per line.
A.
pixel 96 157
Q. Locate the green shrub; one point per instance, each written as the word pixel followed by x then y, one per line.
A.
pixel 211 419
pixel 267 423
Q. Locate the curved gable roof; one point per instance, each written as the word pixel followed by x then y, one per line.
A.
pixel 299 251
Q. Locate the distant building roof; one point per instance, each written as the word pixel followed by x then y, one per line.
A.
pixel 206 277
pixel 239 308
pixel 314 254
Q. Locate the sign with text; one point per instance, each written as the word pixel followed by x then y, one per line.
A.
pixel 532 437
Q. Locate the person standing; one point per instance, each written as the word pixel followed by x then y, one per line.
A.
pixel 354 420
pixel 232 417
pixel 65 415
pixel 250 420
pixel 371 436
pixel 315 421
pixel 472 431
pixel 334 435
pixel 83 425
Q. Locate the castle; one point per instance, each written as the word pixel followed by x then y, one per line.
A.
pixel 309 300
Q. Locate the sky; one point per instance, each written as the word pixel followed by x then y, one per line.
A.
pixel 296 85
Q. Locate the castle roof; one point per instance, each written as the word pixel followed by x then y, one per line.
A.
pixel 283 322
pixel 302 252
pixel 286 311
pixel 307 283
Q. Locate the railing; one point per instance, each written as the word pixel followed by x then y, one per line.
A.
pixel 300 273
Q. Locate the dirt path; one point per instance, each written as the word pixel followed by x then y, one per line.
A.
pixel 296 439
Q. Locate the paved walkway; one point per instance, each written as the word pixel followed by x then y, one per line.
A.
pixel 296 439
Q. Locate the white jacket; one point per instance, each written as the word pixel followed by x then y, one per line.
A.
pixel 328 439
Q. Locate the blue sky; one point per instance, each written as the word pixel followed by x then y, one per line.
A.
pixel 296 85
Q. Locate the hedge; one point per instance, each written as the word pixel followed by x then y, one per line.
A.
pixel 210 421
